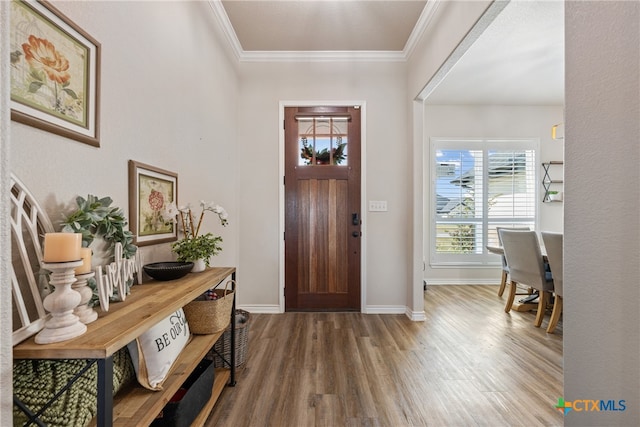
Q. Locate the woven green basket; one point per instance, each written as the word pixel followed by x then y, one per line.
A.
pixel 36 381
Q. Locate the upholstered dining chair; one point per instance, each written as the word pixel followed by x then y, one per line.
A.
pixel 505 266
pixel 526 267
pixel 553 243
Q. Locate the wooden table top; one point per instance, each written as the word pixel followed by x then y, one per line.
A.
pixel 145 306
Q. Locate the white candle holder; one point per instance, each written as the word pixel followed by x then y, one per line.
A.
pixel 63 324
pixel 83 311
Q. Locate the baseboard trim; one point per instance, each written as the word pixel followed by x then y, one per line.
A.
pixel 416 316
pixel 384 309
pixel 260 308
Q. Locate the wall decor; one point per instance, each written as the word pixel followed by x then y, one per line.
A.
pixel 151 191
pixel 118 278
pixel 55 72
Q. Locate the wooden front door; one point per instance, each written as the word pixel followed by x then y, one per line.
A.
pixel 322 208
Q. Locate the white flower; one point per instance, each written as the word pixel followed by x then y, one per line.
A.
pixel 222 213
pixel 170 212
pixel 191 223
pixel 207 206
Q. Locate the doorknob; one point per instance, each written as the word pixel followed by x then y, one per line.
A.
pixel 356 234
pixel 355 219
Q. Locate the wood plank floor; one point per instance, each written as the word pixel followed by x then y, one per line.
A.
pixel 469 364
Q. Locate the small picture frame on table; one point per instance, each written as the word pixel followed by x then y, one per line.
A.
pixel 151 190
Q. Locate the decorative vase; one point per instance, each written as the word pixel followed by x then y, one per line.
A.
pixel 198 266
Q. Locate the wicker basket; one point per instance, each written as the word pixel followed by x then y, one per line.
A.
pixel 210 317
pixel 222 349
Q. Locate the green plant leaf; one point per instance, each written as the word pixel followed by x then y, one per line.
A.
pixel 37 75
pixel 71 93
pixel 94 217
pixel 200 247
pixel 35 86
pixel 106 201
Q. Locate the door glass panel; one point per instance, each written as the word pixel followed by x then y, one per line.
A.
pixel 322 141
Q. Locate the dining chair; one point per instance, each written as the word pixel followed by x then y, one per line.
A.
pixel 526 267
pixel 505 266
pixel 553 243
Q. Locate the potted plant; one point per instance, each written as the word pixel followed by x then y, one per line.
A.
pixel 554 196
pixel 196 247
pixel 95 217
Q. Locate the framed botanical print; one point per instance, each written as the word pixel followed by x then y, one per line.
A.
pixel 55 72
pixel 151 190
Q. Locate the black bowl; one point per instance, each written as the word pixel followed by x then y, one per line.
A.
pixel 168 270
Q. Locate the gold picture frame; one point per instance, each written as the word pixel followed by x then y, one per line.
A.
pixel 55 72
pixel 151 190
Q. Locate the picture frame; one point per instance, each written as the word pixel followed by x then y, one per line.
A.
pixel 151 190
pixel 61 97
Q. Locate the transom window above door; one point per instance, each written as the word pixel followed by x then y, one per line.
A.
pixel 476 186
pixel 323 141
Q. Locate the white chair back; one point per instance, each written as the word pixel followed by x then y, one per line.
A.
pixel 553 243
pixel 505 266
pixel 29 222
pixel 524 257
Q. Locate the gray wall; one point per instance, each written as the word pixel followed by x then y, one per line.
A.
pixel 602 201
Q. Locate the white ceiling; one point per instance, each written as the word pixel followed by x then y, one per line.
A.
pixel 345 25
pixel 518 59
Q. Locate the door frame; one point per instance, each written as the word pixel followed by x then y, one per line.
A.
pixel 281 198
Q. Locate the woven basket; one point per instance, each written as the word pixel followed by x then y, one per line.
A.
pixel 210 317
pixel 222 349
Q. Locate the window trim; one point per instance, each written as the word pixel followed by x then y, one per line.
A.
pixel 485 259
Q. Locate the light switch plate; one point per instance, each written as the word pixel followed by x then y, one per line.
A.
pixel 377 205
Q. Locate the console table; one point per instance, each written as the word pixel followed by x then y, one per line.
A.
pixel 125 321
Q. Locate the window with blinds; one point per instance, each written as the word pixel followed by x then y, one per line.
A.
pixel 476 186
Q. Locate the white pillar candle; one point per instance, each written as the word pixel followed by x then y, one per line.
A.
pixel 62 247
pixel 85 254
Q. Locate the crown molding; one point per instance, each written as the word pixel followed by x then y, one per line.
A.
pixel 423 22
pixel 223 20
pixel 322 56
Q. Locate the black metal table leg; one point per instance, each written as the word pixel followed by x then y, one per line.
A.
pixel 232 379
pixel 105 392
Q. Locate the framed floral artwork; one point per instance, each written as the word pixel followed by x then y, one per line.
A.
pixel 55 72
pixel 151 190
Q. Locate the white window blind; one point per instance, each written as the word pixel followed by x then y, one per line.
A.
pixel 476 186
